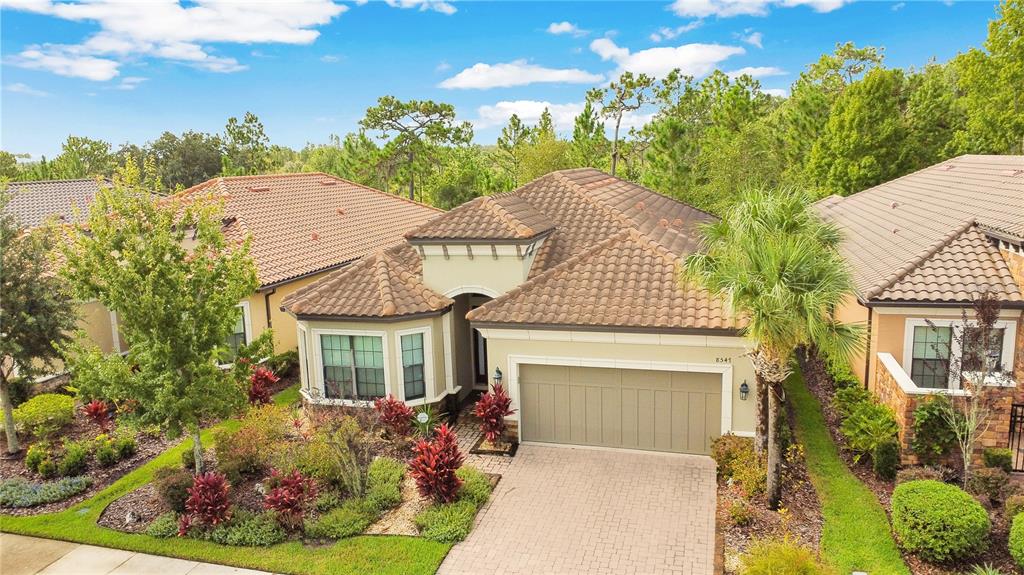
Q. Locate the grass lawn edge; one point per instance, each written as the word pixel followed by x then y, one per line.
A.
pixel 387 554
pixel 856 534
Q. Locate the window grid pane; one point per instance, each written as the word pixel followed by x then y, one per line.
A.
pixel 930 356
pixel 412 366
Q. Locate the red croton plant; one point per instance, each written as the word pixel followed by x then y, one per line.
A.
pixel 492 408
pixel 435 464
pixel 290 495
pixel 208 502
pixel 260 383
pixel 395 415
pixel 98 412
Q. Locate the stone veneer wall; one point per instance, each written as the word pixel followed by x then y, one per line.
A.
pixel 903 404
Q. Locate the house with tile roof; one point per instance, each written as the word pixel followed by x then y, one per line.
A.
pixel 567 291
pixel 302 227
pixel 921 249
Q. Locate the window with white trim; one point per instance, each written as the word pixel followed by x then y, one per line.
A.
pixel 932 346
pixel 413 366
pixel 239 334
pixel 353 366
pixel 929 363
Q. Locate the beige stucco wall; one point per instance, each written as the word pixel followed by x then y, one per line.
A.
pixel 436 390
pixel 282 322
pixel 457 272
pixel 711 351
pixel 853 313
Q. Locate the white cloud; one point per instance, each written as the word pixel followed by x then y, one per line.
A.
pixel 750 37
pixel 780 92
pixel 665 33
pixel 691 59
pixel 424 5
pixel 517 73
pixel 757 72
pixel 898 6
pixel 169 30
pixel 58 60
pixel 130 82
pixel 566 28
pixel 330 58
pixel 442 66
pixel 19 88
pixel 529 111
pixel 729 8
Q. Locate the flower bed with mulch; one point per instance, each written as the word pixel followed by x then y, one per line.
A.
pixel 820 384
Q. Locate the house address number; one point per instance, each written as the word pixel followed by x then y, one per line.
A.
pixel 723 360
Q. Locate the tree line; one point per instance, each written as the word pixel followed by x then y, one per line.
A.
pixel 848 123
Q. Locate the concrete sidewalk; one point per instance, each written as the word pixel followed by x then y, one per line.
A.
pixel 21 555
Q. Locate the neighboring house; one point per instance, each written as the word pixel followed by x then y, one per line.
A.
pixel 569 287
pixel 302 226
pixel 34 204
pixel 921 248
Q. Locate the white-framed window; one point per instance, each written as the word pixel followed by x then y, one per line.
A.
pixel 351 365
pixel 416 363
pixel 241 333
pixel 303 359
pixel 930 346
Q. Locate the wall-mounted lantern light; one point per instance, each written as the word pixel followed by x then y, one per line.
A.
pixel 744 390
pixel 497 376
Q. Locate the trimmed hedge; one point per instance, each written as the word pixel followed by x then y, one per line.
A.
pixel 1017 539
pixel 938 521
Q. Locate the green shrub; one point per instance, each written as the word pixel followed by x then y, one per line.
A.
pixel 933 437
pixel 726 449
pixel 741 513
pixel 448 522
pixel 780 556
pixel 45 414
pixel 986 569
pixel 48 468
pixel 19 389
pixel 36 454
pixel 19 492
pixel 988 482
pixel 886 459
pixel 74 459
pixel 1016 543
pixel 188 459
pixel 999 457
pixel 1013 505
pixel 352 518
pixel 124 446
pixel 938 521
pixel 105 453
pixel 327 500
pixel 842 373
pixel 848 398
pixel 247 529
pixel 867 425
pixel 172 484
pixel 283 364
pixel 164 526
pixel 384 483
pixel 476 487
pixel 250 449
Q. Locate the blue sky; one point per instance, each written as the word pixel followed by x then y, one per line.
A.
pixel 125 71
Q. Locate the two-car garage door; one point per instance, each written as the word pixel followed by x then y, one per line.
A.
pixel 627 408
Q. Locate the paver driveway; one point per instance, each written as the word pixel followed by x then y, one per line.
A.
pixel 576 510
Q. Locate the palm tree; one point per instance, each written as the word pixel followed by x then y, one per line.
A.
pixel 776 264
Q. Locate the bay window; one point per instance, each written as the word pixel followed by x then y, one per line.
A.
pixel 353 366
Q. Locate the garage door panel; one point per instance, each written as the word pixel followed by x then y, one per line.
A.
pixel 645 409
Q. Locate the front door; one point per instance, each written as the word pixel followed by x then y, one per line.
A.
pixel 479 360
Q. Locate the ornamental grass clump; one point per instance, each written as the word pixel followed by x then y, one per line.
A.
pixel 208 503
pixel 395 415
pixel 435 464
pixel 290 496
pixel 492 408
pixel 938 522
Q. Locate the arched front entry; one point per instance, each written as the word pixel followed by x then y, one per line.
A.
pixel 469 346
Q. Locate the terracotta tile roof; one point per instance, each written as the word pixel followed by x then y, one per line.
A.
pixel 627 281
pixel 893 227
pixel 611 260
pixel 499 217
pixel 960 270
pixel 383 285
pixel 304 223
pixel 32 203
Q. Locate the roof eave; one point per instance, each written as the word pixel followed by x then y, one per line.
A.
pixel 1017 304
pixel 369 318
pixel 728 332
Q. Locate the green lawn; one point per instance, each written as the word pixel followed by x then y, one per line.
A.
pixel 365 554
pixel 856 534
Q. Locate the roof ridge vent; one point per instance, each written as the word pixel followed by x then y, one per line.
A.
pixel 259 188
pixel 327 182
pixel 947 167
pixel 894 205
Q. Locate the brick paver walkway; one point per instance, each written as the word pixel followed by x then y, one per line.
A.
pixel 576 510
